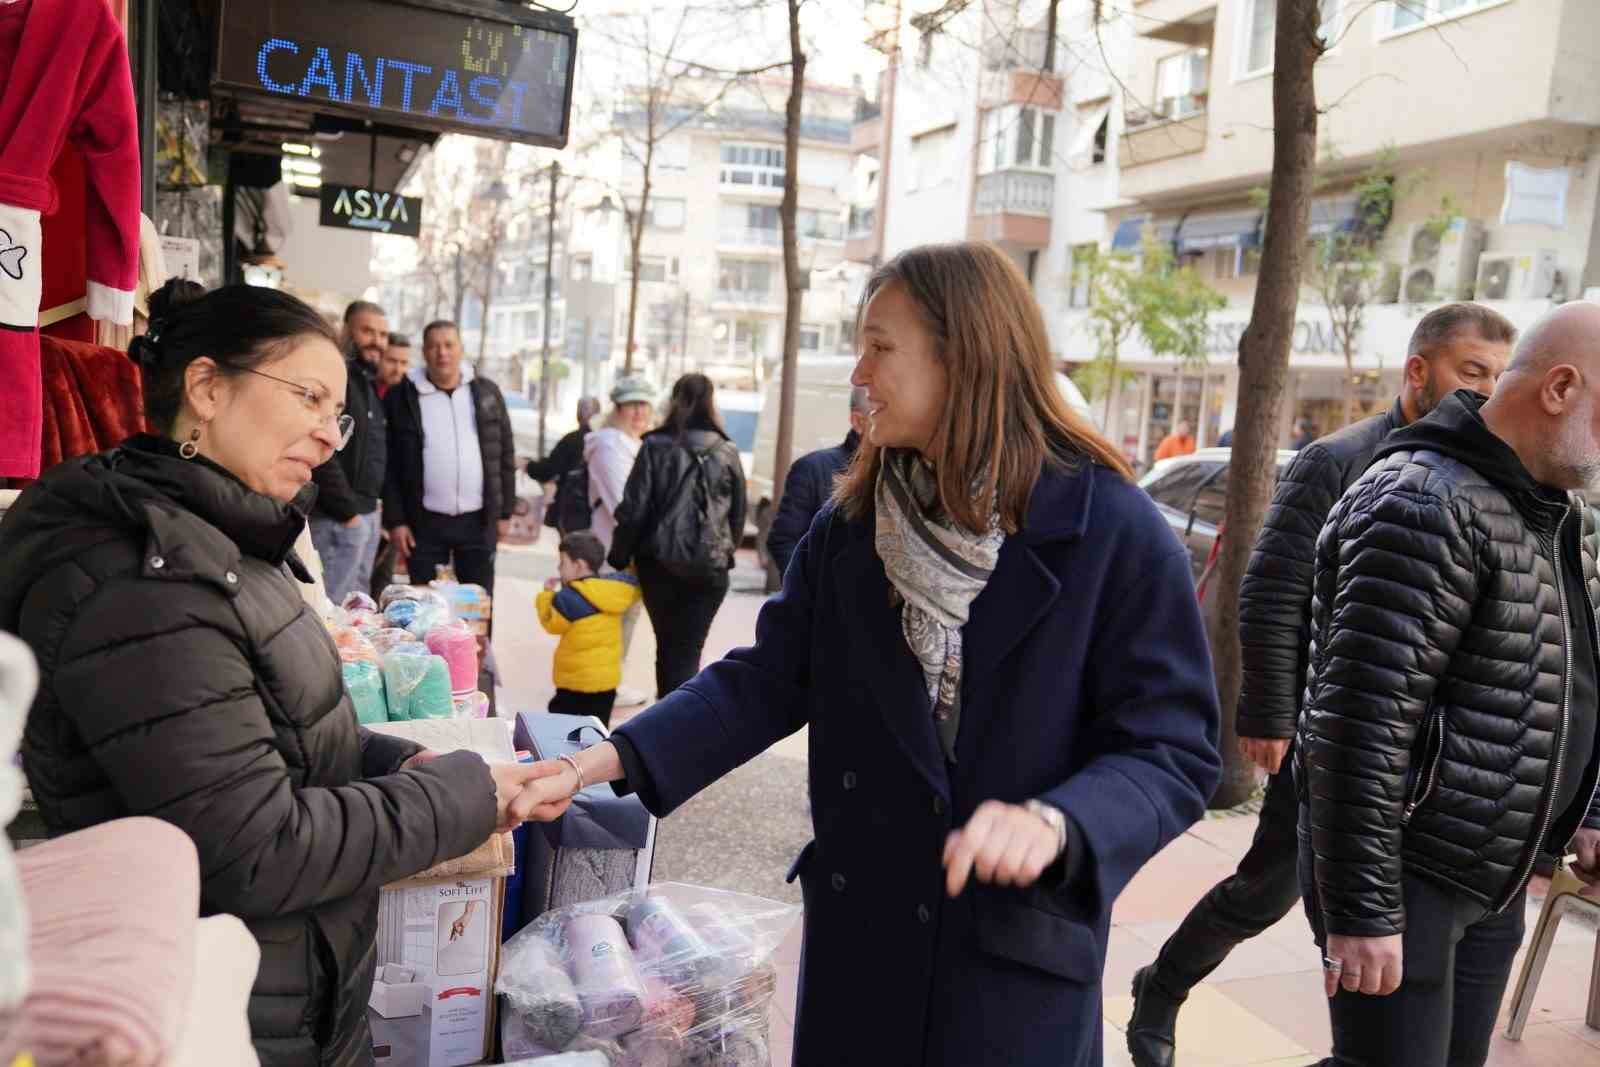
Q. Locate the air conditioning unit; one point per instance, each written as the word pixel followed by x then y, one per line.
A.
pixel 1516 275
pixel 1441 265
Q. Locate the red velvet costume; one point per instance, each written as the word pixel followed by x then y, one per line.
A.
pixel 63 76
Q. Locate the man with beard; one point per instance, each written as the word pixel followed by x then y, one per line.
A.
pixel 347 520
pixel 1457 346
pixel 1449 728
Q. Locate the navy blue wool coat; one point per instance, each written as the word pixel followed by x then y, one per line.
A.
pixel 1087 684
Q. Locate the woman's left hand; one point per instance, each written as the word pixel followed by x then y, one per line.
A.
pixel 1003 844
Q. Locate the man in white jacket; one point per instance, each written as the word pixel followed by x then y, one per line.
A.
pixel 611 450
pixel 609 453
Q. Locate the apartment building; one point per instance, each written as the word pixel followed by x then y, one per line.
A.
pixel 712 291
pixel 1488 112
pixel 986 137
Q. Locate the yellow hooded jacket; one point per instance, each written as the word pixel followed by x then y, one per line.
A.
pixel 587 615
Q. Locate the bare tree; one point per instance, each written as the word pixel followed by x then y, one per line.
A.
pixel 1264 357
pixel 796 282
pixel 670 92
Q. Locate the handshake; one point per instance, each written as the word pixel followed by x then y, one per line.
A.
pixel 540 792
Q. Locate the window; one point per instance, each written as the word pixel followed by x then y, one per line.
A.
pixel 756 166
pixel 1409 14
pixel 810 338
pixel 1016 137
pixel 582 268
pixel 671 155
pixel 1181 83
pixel 652 269
pixel 744 276
pixel 1175 490
pixel 1032 269
pixel 930 157
pixel 925 50
pixel 1101 132
pixel 1209 502
pixel 813 225
pixel 667 213
pixel 1261 27
pixel 762 217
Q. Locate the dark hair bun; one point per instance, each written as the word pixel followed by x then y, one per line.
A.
pixel 172 296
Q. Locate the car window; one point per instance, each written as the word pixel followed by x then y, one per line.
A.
pixel 1209 504
pixel 1176 488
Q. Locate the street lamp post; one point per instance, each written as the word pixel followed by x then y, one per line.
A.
pixel 549 279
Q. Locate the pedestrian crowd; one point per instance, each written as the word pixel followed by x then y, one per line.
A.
pixel 989 632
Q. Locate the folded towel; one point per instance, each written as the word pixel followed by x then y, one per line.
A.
pixel 216 1028
pixel 113 912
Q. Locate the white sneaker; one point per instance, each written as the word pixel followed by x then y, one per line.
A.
pixel 631 698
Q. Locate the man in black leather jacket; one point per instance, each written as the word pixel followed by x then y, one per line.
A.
pixel 1449 729
pixel 1457 346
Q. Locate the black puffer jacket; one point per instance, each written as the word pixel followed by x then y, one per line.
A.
pixel 667 516
pixel 1437 711
pixel 1275 596
pixel 351 483
pixel 184 677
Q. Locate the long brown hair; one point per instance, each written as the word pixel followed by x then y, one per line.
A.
pixel 1004 419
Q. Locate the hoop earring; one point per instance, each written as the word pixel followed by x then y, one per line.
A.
pixel 191 448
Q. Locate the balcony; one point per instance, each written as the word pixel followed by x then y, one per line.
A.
pixel 1024 88
pixel 1013 206
pixel 1158 138
pixel 746 238
pixel 747 300
pixel 861 235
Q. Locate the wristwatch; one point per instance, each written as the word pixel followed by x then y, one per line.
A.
pixel 1054 817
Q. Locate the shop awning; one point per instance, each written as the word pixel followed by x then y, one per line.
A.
pixel 1231 229
pixel 1130 232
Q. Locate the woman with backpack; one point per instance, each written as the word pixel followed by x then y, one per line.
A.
pixel 681 519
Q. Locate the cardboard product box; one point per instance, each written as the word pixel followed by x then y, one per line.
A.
pixel 438 952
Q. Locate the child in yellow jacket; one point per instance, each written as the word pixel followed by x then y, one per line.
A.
pixel 585 609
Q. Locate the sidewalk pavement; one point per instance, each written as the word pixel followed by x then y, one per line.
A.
pixel 1263 1007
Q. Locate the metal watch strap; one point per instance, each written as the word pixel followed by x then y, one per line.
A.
pixel 1054 817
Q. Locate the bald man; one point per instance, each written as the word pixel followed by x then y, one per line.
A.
pixel 1449 731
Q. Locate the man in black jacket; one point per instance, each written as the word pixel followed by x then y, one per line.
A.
pixel 810 484
pixel 346 524
pixel 1449 728
pixel 1457 346
pixel 452 471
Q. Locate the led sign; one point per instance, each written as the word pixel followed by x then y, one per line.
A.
pixel 504 73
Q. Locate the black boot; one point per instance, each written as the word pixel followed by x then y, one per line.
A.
pixel 1152 1030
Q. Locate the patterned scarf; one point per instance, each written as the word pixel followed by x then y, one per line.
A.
pixel 937 569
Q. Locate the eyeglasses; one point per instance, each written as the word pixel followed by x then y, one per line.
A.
pixel 344 424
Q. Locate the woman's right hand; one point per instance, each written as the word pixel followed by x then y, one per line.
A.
pixel 524 791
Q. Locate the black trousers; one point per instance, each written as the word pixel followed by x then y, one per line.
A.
pixel 383 568
pixel 1457 960
pixel 681 611
pixel 572 702
pixel 1256 896
pixel 464 542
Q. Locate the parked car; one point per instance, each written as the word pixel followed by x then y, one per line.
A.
pixel 1190 492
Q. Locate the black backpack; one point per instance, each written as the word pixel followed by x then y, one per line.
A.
pixel 693 539
pixel 573 509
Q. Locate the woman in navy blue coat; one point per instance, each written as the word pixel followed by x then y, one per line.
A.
pixel 993 639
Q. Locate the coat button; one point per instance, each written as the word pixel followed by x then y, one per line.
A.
pixel 849 779
pixel 923 914
pixel 838 881
pixel 233 579
pixel 938 805
pixel 156 563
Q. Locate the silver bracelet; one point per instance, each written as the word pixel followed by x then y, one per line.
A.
pixel 573 763
pixel 1053 817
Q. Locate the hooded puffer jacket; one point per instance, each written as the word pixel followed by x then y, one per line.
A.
pixel 183 676
pixel 1437 738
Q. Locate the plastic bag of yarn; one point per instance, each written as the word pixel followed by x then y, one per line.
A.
pixel 417 683
pixel 365 620
pixel 401 612
pixel 470 604
pixel 363 679
pixel 358 601
pixel 398 591
pixel 427 618
pixel 389 638
pixel 472 705
pixel 353 645
pixel 672 974
pixel 458 647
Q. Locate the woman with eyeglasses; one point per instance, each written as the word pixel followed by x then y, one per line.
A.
pixel 183 676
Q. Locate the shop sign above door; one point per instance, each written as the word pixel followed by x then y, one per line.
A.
pixel 355 207
pixel 499 71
